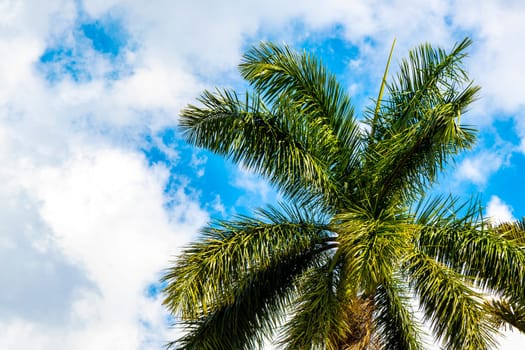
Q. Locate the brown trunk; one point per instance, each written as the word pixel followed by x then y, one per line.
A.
pixel 359 318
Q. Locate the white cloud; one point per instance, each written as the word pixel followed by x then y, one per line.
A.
pixel 86 224
pixel 207 36
pixel 481 166
pixel 108 237
pixel 34 268
pixel 218 206
pixel 511 340
pixel 198 162
pixel 498 211
pixel 258 189
pixel 496 59
pixel 520 130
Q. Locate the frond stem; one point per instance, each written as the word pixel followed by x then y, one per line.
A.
pixel 381 90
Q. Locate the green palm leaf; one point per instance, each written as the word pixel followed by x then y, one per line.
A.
pixel 289 153
pixel 317 312
pixel 456 312
pixel 417 128
pixel 264 292
pixel 300 84
pixel 397 326
pixel 210 271
pixel 300 81
pixel 508 312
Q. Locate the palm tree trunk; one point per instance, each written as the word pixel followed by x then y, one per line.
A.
pixel 359 317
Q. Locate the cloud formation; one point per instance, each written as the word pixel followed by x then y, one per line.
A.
pixel 478 168
pixel 498 211
pixel 108 236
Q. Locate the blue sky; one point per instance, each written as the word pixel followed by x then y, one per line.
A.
pixel 97 190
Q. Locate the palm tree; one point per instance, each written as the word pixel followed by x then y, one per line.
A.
pixel 357 243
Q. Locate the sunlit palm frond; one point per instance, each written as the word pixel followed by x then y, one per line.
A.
pixel 459 237
pixel 287 152
pixel 508 313
pixel 455 311
pixel 372 246
pixel 325 319
pixel 300 83
pixel 339 267
pixel 396 326
pixel 418 129
pixel 514 231
pixel 211 269
pixel 283 76
pixel 252 310
pixel 442 223
pixel 497 263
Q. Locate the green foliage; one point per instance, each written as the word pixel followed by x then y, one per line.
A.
pixel 508 313
pixel 396 325
pixel 340 266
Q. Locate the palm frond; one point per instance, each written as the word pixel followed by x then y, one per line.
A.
pixel 371 246
pixel 292 155
pixel 326 319
pixel 456 312
pixel 209 271
pixel 496 263
pixel 373 123
pixel 441 222
pixel 396 327
pixel 514 231
pixel 508 313
pixel 418 128
pixel 300 83
pixel 253 310
pixel 460 238
pixel 278 72
pixel 335 262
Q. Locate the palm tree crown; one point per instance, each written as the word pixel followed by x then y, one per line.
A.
pixel 340 265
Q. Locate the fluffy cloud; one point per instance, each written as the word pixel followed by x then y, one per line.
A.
pixel 498 211
pixel 258 190
pixel 496 61
pixel 208 37
pixel 87 224
pixel 100 236
pixel 481 166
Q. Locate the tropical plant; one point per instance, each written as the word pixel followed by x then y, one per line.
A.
pixel 357 243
